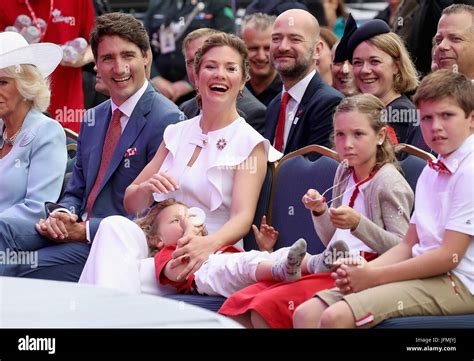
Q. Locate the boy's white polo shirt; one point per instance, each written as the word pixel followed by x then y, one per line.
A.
pixel 446 202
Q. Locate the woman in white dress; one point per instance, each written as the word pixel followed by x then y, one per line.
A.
pixel 215 161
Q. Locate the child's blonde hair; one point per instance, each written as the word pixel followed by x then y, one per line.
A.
pixel 374 110
pixel 147 223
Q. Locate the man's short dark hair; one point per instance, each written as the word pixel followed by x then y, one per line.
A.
pixel 444 84
pixel 120 24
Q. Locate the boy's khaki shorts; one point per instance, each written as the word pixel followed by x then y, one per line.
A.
pixel 423 297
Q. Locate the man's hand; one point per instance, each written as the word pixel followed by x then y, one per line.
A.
pixel 266 236
pixel 61 227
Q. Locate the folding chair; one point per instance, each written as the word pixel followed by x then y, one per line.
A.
pixel 263 206
pixel 412 165
pixel 71 146
pixel 294 175
pixel 71 134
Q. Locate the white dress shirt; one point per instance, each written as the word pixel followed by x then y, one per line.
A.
pixel 296 95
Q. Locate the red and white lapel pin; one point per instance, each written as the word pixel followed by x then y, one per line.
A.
pixel 130 152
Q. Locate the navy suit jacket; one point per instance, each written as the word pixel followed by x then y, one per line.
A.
pixel 248 107
pixel 142 135
pixel 313 117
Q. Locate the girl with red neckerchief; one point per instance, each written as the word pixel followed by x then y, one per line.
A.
pixel 369 211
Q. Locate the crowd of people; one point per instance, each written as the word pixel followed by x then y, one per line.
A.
pixel 194 114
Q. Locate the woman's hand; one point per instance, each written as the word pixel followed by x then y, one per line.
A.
pixel 195 252
pixel 344 217
pixel 160 182
pixel 266 236
pixel 313 201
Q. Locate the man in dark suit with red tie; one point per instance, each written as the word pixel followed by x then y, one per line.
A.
pixel 117 140
pixel 302 114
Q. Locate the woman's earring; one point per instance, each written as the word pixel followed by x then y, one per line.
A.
pixel 241 92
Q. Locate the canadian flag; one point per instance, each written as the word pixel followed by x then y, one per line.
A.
pixel 130 152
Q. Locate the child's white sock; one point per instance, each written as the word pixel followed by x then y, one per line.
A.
pixel 323 262
pixel 289 269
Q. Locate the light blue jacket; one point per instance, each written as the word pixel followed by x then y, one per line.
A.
pixel 33 172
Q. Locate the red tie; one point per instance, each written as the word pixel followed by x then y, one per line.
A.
pixel 111 141
pixel 280 130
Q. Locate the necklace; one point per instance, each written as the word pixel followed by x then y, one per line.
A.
pixel 10 140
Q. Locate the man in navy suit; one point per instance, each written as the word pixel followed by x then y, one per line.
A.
pixel 111 153
pixel 307 119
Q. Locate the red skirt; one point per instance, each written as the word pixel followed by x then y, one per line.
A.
pixel 276 301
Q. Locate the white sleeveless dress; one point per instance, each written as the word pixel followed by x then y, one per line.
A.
pixel 119 254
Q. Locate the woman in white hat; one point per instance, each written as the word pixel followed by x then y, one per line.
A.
pixel 32 146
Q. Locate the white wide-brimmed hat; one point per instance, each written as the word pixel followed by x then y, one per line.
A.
pixel 15 50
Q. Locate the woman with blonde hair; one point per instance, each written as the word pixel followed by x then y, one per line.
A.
pixel 382 67
pixel 32 146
